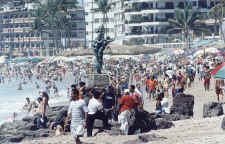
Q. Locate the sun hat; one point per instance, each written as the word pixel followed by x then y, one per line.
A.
pixel 126 91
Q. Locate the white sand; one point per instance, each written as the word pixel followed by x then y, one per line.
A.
pixel 192 131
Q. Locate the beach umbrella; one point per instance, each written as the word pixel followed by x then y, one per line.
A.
pixel 167 52
pixel 207 50
pixel 219 71
pixel 178 51
pixel 211 50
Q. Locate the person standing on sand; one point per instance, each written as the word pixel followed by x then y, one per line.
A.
pixel 218 90
pixel 95 111
pixel 207 81
pixel 125 118
pixel 77 112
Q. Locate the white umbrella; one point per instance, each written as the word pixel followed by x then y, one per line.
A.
pixel 207 50
pixel 178 51
pixel 211 50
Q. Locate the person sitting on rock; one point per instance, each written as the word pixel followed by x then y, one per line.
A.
pixel 36 106
pixel 28 105
pixel 59 121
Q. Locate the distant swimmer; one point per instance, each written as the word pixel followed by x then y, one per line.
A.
pixel 24 81
pixel 20 87
pixel 37 85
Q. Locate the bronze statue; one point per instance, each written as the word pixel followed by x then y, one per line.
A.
pixel 99 46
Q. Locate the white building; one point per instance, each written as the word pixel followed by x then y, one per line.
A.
pixel 137 21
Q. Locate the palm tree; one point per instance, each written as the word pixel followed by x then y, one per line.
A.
pixel 104 7
pixel 51 16
pixel 186 21
pixel 217 13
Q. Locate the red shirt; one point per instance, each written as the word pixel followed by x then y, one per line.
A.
pixel 151 84
pixel 136 98
pixel 127 103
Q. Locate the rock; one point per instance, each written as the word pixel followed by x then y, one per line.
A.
pixel 223 124
pixel 11 127
pixel 182 106
pixel 212 109
pixel 28 119
pixel 31 127
pixel 2 139
pixel 145 139
pixel 26 129
pixel 44 135
pixel 59 108
pixel 163 123
pixel 16 139
pixel 144 122
pixel 174 117
pixel 30 134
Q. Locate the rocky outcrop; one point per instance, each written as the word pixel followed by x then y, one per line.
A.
pixel 212 109
pixel 182 107
pixel 146 122
pixel 162 123
pixel 26 129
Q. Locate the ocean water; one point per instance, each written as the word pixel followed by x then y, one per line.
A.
pixel 12 100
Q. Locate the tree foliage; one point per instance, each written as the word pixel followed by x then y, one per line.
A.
pixel 218 13
pixel 53 17
pixel 186 20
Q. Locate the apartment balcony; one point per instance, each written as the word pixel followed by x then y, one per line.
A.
pixel 135 7
pixel 161 19
pixel 138 21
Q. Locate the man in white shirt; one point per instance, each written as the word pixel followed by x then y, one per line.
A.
pixel 95 111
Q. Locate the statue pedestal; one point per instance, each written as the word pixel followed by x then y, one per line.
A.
pixel 98 80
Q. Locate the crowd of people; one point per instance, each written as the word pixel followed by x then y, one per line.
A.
pixel 132 83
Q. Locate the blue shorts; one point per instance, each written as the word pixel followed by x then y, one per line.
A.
pixel 151 91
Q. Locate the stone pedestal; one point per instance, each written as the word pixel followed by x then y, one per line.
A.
pixel 98 80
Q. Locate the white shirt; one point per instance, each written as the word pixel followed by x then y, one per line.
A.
pixel 93 106
pixel 77 110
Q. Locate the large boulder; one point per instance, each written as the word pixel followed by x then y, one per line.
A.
pixel 182 106
pixel 223 124
pixel 162 123
pixel 212 109
pixel 144 122
pixel 16 139
pixel 174 117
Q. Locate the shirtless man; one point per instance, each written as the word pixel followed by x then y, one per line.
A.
pixel 42 119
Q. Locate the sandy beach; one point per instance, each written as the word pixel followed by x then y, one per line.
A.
pixel 192 131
